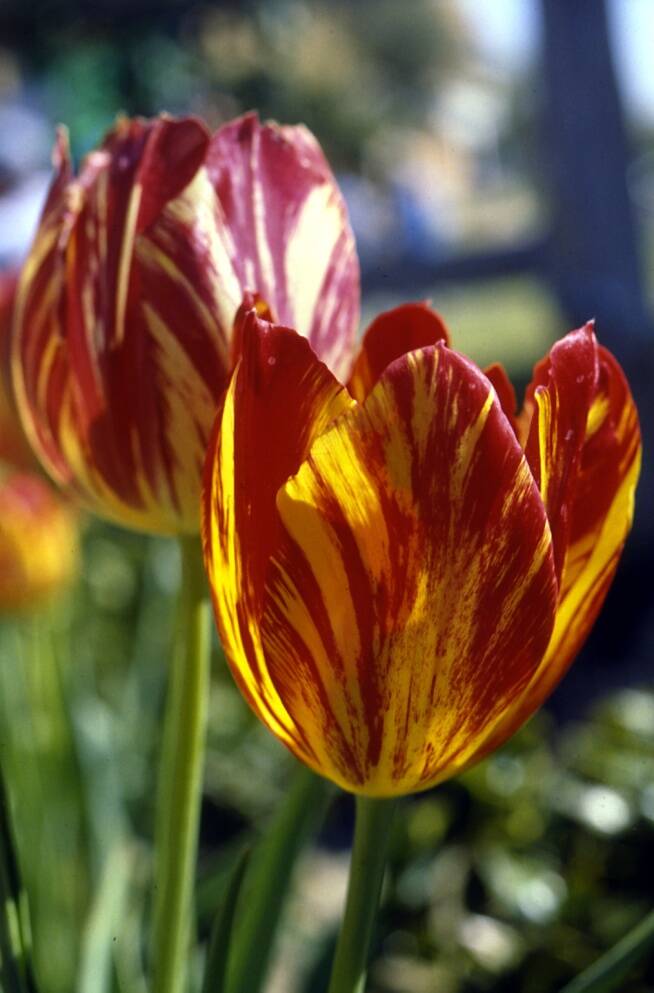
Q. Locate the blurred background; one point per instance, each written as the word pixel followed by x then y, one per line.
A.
pixel 499 160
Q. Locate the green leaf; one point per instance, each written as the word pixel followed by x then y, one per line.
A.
pixel 608 972
pixel 215 974
pixel 16 974
pixel 268 878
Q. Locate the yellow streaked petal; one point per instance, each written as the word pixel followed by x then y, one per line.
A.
pixel 279 399
pixel 412 592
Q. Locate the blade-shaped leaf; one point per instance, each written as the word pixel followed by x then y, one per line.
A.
pixel 267 880
pixel 610 969
pixel 16 973
pixel 215 973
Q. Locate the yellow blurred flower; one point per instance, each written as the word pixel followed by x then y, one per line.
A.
pixel 38 542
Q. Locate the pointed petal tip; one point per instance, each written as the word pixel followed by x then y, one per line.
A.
pixel 60 156
pixel 589 330
pixel 174 150
pixel 266 348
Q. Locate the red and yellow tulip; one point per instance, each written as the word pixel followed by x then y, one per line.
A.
pixel 403 569
pixel 123 344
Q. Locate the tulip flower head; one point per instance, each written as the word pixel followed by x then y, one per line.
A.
pixel 402 569
pixel 126 303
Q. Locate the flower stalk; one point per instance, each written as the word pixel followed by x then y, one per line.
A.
pixel 374 819
pixel 180 784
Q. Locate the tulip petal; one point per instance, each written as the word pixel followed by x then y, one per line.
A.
pixel 601 513
pixel 14 448
pixel 284 233
pixel 412 592
pixel 280 397
pixel 561 393
pixel 172 156
pixel 600 502
pixel 503 386
pixel 392 334
pixel 63 173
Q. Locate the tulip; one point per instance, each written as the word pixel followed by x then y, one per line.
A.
pixel 38 542
pixel 123 344
pixel 403 569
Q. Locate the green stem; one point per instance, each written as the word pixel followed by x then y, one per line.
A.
pixel 608 971
pixel 371 837
pixel 180 785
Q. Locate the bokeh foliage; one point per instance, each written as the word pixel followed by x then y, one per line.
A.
pixel 512 878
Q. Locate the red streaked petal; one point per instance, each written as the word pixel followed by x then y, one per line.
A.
pixel 412 591
pixel 505 392
pixel 561 391
pixel 392 334
pixel 14 449
pixel 174 153
pixel 251 302
pixel 600 515
pixel 610 455
pixel 280 397
pixel 63 173
pixel 285 234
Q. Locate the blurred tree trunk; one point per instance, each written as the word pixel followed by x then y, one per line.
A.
pixel 594 259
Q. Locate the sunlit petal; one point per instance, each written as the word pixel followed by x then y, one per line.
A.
pixel 279 399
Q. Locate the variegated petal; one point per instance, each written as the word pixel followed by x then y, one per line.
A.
pixel 412 592
pixel 599 501
pixel 14 449
pixel 280 397
pixel 284 234
pixel 561 393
